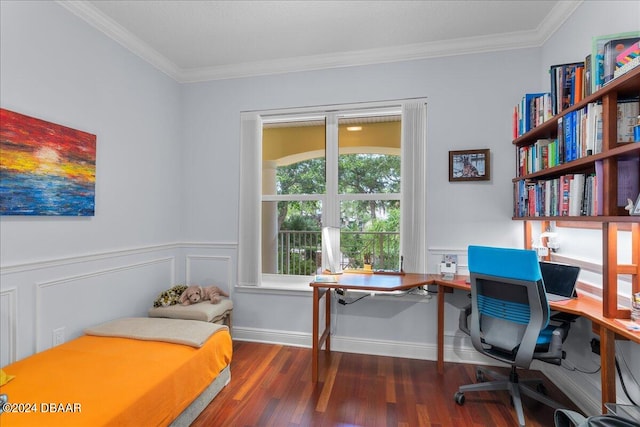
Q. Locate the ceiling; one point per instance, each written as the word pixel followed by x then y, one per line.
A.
pixel 196 40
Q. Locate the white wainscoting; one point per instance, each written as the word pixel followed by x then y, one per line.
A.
pixel 72 293
pixel 8 327
pixel 97 297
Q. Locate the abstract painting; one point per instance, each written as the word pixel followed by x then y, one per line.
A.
pixel 45 168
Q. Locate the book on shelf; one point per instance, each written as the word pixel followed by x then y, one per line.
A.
pixel 628 178
pixel 576 194
pixel 627 60
pixel 533 110
pixel 593 128
pixel 568 195
pixel 599 188
pixel 579 134
pixel 565 191
pixel 567 83
pixel 560 139
pixel 598 56
pixel 628 112
pixel 587 75
pixel 612 49
pixel 543 154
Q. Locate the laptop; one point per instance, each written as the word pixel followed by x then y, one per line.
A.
pixel 559 280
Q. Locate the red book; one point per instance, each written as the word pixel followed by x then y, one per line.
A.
pixel 566 189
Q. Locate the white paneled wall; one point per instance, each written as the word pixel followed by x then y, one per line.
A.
pixel 98 296
pixel 8 326
pixel 64 296
pixel 210 270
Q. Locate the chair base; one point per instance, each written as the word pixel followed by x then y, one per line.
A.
pixel 513 384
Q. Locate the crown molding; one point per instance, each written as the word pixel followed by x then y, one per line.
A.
pixel 463 46
pixel 124 37
pixel 556 17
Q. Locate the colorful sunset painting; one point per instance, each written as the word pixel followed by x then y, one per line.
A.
pixel 45 168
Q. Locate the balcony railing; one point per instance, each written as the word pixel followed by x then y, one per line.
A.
pixel 300 252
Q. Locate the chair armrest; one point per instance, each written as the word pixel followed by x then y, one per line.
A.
pixel 554 353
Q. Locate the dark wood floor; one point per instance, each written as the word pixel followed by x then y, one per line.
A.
pixel 271 386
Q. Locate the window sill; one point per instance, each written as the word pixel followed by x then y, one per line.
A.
pixel 278 284
pixel 299 285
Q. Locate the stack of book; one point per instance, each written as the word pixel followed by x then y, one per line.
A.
pixel 542 155
pixel 567 85
pixel 579 134
pixel 575 194
pixel 533 110
pixel 567 195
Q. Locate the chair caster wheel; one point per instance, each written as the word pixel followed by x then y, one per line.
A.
pixel 480 377
pixel 459 398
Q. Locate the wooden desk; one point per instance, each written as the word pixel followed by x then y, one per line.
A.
pixel 353 281
pixel 583 306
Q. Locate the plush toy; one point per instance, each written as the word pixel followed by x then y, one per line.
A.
pixel 213 293
pixel 194 294
pixel 170 296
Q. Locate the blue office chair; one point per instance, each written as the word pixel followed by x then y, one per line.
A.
pixel 510 321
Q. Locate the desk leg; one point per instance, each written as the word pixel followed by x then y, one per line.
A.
pixel 314 336
pixel 327 321
pixel 608 366
pixel 440 361
pixel 317 341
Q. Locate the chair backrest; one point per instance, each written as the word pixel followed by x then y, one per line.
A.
pixel 509 303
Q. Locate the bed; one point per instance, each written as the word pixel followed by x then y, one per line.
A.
pixel 132 371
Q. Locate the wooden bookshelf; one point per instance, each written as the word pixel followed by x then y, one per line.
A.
pixel 626 86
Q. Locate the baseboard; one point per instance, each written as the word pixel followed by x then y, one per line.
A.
pixel 410 350
pixel 582 389
pixel 270 336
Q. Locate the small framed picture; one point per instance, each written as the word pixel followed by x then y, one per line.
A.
pixel 469 165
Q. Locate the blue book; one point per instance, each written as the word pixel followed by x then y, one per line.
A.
pixel 528 112
pixel 567 138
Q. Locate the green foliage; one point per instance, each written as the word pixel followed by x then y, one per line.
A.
pixel 370 228
pixel 368 173
pixel 300 223
pixel 306 177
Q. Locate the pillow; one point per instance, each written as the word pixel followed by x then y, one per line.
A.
pixel 170 296
pixel 5 378
pixel 204 311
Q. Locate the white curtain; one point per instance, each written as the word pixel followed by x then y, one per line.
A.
pixel 414 187
pixel 249 243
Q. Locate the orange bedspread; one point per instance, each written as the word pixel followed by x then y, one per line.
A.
pixel 93 381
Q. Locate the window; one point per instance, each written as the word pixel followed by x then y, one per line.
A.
pixel 340 166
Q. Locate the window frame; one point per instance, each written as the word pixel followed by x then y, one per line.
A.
pixel 251 197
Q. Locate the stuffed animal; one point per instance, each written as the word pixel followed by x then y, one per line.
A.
pixel 194 294
pixel 170 296
pixel 213 293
